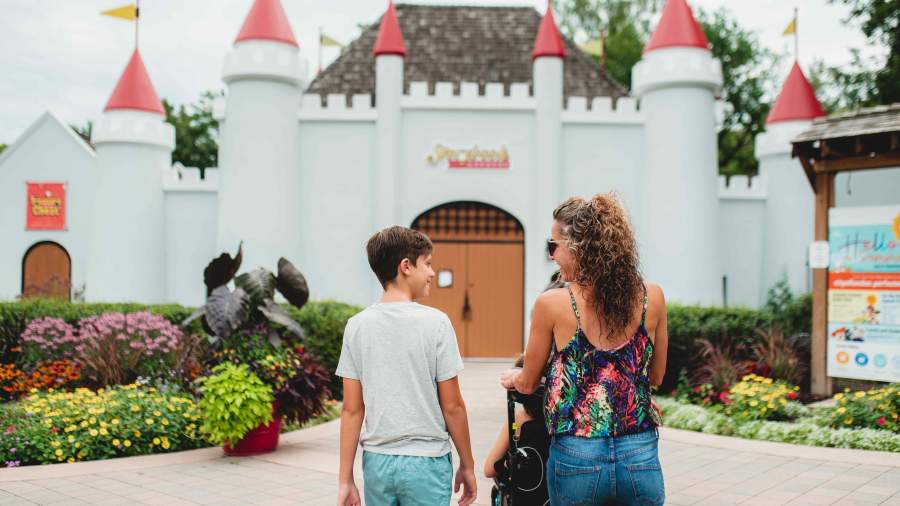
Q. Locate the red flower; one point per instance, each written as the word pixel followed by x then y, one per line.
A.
pixel 697 389
pixel 54 430
pixel 723 397
pixel 792 395
pixel 11 428
pixel 881 421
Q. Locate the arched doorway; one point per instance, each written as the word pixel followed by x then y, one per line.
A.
pixel 479 258
pixel 46 272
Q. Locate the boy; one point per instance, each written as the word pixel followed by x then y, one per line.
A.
pixel 400 363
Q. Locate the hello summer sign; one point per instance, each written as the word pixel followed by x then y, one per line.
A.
pixel 864 293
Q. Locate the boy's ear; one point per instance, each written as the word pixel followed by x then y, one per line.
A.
pixel 404 267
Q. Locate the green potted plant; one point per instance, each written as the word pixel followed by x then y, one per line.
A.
pixel 234 403
pixel 247 327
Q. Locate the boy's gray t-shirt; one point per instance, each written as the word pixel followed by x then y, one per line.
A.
pixel 399 351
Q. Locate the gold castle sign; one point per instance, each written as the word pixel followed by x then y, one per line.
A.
pixel 474 158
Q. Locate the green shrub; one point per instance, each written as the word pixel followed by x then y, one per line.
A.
pixel 874 409
pixel 235 401
pixel 48 427
pixel 324 323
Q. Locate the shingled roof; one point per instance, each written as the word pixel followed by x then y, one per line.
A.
pixel 463 44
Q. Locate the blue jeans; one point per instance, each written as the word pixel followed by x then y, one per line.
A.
pixel 401 480
pixel 591 471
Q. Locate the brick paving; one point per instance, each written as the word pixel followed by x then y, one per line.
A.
pixel 699 469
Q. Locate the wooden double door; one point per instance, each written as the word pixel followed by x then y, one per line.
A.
pixel 480 285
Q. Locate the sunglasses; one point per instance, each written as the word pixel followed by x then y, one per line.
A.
pixel 551 246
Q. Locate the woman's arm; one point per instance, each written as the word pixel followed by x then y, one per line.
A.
pixel 661 338
pixel 540 338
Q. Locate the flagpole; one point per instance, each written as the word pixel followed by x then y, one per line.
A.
pixel 137 21
pixel 320 51
pixel 796 37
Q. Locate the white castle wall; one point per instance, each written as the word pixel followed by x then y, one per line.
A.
pixel 191 223
pixel 337 150
pixel 603 149
pixel 47 152
pixel 742 204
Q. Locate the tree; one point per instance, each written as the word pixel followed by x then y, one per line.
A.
pixel 746 65
pixel 196 132
pixel 865 81
pixel 746 77
pixel 2 147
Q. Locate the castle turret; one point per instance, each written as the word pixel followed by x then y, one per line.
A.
pixel 134 147
pixel 788 223
pixel 547 57
pixel 677 81
pixel 259 153
pixel 389 52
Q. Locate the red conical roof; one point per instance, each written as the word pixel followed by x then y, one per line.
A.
pixel 134 90
pixel 548 41
pixel 390 38
pixel 267 21
pixel 797 99
pixel 677 28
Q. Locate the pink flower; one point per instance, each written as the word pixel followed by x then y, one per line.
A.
pixel 792 395
pixel 881 421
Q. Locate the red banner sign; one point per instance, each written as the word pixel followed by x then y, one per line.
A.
pixel 45 206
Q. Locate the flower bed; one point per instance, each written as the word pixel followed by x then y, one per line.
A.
pixel 765 409
pixel 54 426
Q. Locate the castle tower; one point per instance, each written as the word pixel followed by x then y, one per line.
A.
pixel 677 81
pixel 259 192
pixel 788 223
pixel 547 57
pixel 389 52
pixel 126 260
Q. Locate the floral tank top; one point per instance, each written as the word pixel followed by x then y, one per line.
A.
pixel 600 393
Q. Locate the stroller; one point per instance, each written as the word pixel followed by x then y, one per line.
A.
pixel 521 474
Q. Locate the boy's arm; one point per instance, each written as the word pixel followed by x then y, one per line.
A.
pixel 352 415
pixel 454 409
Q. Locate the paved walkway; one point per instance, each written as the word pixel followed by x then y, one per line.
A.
pixel 699 469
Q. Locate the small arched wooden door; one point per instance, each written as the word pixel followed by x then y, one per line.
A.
pixel 479 261
pixel 47 272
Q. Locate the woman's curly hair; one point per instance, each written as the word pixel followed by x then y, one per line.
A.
pixel 599 234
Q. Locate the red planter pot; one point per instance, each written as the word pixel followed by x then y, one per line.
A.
pixel 263 439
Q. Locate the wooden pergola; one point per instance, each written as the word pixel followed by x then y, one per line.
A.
pixel 864 139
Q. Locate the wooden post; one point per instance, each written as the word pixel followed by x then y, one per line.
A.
pixel 821 383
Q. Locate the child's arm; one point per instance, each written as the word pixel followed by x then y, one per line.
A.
pixel 352 415
pixel 496 453
pixel 454 409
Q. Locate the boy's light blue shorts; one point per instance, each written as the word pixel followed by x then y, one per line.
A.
pixel 401 480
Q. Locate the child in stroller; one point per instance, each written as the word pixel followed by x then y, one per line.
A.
pixel 518 458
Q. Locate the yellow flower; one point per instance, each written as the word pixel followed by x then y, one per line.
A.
pixel 859 394
pixel 70 460
pixel 754 403
pixel 149 421
pixel 84 423
pixel 58 453
pixel 93 432
pixel 156 441
pixel 115 442
pixel 157 413
pixel 55 443
pixel 165 422
pixel 842 410
pixel 848 420
pixel 165 444
pixel 127 443
pixel 115 421
pixel 103 432
pixel 137 433
pixel 135 408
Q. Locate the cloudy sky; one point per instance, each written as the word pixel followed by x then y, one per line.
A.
pixel 61 55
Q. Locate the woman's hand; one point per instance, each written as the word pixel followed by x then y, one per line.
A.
pixel 508 378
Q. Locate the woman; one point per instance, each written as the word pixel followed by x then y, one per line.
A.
pixel 607 332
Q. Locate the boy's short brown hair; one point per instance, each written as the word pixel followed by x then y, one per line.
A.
pixel 388 247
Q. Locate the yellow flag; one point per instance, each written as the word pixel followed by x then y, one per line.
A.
pixel 791 28
pixel 128 12
pixel 328 41
pixel 593 47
